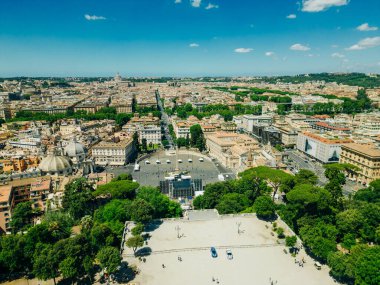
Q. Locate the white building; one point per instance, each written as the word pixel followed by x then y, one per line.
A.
pixel 111 153
pixel 247 122
pixel 151 133
pixel 323 147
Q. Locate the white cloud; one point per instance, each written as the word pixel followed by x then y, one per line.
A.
pixel 291 16
pixel 212 6
pixel 196 3
pixel 194 45
pixel 366 28
pixel 334 46
pixel 269 53
pixel 299 47
pixel 338 55
pixel 321 5
pixel 243 50
pixel 94 17
pixel 177 1
pixel 365 44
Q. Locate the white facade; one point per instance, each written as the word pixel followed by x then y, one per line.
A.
pixel 109 153
pixel 320 148
pixel 151 133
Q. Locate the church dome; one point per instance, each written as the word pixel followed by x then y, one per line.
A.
pixel 74 149
pixel 55 164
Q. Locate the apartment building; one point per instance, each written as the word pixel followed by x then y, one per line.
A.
pixel 325 148
pixel 364 156
pixel 35 190
pixel 113 153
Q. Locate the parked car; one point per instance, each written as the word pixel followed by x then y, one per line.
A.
pixel 229 254
pixel 214 254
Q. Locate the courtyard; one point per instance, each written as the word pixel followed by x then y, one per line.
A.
pixel 179 253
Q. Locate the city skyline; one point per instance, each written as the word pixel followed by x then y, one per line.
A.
pixel 188 37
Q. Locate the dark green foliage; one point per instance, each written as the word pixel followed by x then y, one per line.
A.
pixel 135 242
pixel 290 241
pixel 22 216
pixel 123 176
pixel 162 206
pixel 109 259
pixel 264 207
pixel 137 230
pixel 232 203
pixel 103 114
pixel 141 211
pixel 121 189
pixel 78 200
pixel 305 176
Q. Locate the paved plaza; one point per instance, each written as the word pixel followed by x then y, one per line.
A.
pixel 151 174
pixel 257 256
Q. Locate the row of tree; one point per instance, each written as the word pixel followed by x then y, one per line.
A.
pixel 227 113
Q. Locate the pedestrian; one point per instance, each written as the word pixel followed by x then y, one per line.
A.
pixel 163 265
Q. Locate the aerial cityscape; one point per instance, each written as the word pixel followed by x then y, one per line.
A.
pixel 190 142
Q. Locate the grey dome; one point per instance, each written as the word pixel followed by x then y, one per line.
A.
pixel 74 149
pixel 55 164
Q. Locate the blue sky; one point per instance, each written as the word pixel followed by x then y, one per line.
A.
pixel 188 38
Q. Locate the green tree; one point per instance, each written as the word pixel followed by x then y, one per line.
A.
pixel 78 200
pixel 137 229
pixel 22 216
pixel 121 189
pixel 162 206
pixel 144 145
pixel 45 264
pixel 305 176
pixel 141 211
pixel 197 137
pixel 264 207
pixel 109 258
pixel 291 241
pixel 232 203
pixel 368 267
pixel 275 178
pixel 135 242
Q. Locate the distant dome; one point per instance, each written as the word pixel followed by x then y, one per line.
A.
pixel 55 164
pixel 74 149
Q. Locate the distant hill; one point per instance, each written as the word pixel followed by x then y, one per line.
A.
pixel 352 79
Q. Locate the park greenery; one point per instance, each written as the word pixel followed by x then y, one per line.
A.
pixel 106 113
pixel 343 232
pixel 352 79
pixel 73 244
pixel 348 106
pixel 227 113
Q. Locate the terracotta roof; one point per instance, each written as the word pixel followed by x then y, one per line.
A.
pixel 365 149
pixel 5 193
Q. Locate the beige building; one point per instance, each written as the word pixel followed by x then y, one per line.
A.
pixel 364 156
pixel 113 153
pixel 234 151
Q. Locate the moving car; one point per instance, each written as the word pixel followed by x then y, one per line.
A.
pixel 180 160
pixel 190 160
pixel 147 162
pixel 214 254
pixel 229 254
pixel 168 161
pixel 201 159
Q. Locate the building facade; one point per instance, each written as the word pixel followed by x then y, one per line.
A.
pixel 113 153
pixel 366 157
pixel 322 147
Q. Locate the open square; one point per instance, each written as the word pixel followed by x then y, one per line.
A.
pixel 180 254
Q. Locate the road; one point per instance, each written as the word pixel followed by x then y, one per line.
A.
pixel 301 161
pixel 164 120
